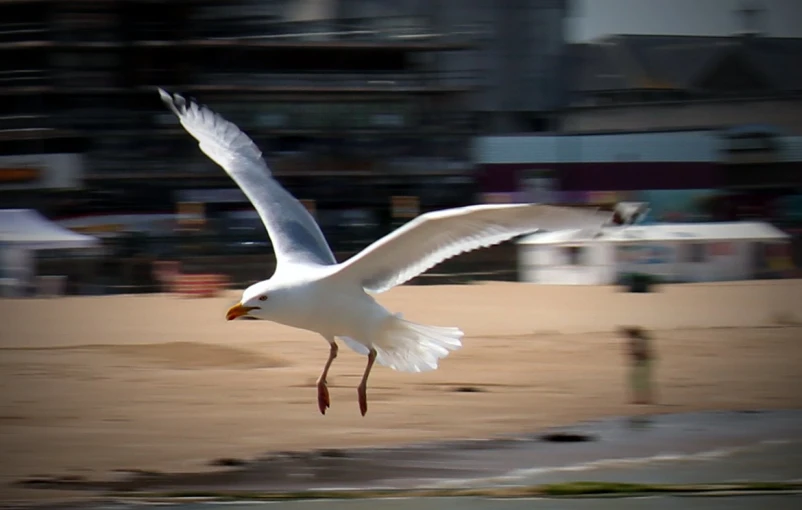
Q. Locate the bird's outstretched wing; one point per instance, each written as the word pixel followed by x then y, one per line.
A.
pixel 436 236
pixel 295 235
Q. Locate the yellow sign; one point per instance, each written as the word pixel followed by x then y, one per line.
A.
pixel 603 197
pixel 19 174
pixel 310 205
pixel 781 263
pixel 191 214
pixel 405 206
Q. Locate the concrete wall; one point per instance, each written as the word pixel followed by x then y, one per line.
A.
pixel 684 146
pixel 614 161
pixel 517 60
pixel 784 114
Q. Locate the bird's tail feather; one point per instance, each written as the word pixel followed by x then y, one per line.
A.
pixel 410 347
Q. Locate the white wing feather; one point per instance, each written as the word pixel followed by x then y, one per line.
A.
pixel 295 235
pixel 436 236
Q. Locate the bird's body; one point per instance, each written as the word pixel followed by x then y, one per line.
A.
pixel 310 290
pixel 318 299
pixel 300 295
pixel 314 301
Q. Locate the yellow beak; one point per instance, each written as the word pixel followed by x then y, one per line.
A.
pixel 238 311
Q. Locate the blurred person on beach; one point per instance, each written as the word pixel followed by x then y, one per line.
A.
pixel 640 354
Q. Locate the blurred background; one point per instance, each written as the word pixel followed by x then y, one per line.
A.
pixel 372 112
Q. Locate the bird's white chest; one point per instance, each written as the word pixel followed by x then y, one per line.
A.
pixel 332 310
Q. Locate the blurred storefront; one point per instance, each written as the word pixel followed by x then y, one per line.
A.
pixel 685 176
pixel 24 178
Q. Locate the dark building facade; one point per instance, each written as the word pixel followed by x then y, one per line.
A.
pixel 351 101
pixel 334 106
pixel 745 90
pixel 709 126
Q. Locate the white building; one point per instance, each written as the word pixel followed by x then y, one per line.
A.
pixel 674 252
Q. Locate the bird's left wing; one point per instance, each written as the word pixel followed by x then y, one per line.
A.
pixel 436 236
pixel 295 235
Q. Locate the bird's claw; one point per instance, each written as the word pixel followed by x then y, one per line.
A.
pixel 323 400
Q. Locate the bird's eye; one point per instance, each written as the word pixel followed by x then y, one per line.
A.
pixel 262 298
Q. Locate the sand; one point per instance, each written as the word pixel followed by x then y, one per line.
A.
pixel 91 385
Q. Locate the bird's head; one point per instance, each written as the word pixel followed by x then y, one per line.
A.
pixel 255 302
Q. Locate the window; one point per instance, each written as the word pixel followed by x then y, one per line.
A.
pixel 697 252
pixel 574 255
pixel 759 259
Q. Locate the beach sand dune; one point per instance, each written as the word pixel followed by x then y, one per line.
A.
pixel 94 385
pixel 169 355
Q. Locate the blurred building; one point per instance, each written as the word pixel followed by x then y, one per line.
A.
pixel 701 127
pixel 352 101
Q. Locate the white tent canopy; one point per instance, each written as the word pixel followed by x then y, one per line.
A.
pixel 23 232
pixel 29 230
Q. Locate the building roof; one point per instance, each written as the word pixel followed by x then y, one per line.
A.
pixel 662 232
pixel 637 62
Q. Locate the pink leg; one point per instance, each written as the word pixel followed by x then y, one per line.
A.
pixel 363 386
pixel 323 401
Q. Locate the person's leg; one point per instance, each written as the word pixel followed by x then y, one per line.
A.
pixel 648 384
pixel 638 382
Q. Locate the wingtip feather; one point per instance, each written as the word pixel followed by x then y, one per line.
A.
pixel 165 96
pixel 174 102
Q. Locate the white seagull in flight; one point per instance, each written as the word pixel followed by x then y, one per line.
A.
pixel 310 290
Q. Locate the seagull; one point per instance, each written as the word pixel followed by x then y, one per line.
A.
pixel 310 290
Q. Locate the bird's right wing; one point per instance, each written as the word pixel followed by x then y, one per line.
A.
pixel 436 236
pixel 295 235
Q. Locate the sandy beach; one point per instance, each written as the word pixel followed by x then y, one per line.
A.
pixel 97 384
